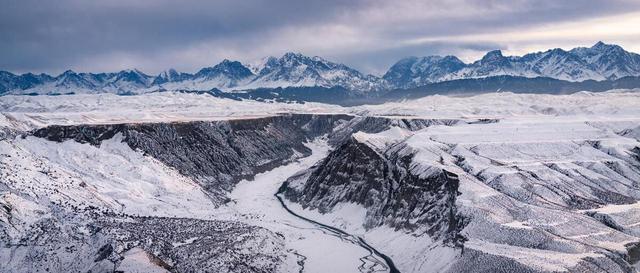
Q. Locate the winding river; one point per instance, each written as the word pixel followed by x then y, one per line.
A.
pixel 316 246
pixel 374 255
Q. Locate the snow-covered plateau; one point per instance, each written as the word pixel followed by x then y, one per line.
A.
pixel 184 182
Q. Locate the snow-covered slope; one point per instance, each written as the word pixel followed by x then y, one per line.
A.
pixel 71 207
pixel 531 195
pixel 497 182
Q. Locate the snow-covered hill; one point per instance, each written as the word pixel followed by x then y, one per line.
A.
pixel 521 190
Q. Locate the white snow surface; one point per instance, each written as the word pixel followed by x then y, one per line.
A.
pixel 136 260
pixel 25 112
pixel 532 133
pixel 111 177
pixel 410 253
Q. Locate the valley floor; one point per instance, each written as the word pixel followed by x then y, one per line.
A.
pixel 313 248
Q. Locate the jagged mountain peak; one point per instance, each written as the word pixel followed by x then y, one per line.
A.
pixel 225 63
pixel 557 51
pixel 259 64
pixel 132 75
pixel 599 47
pixel 72 80
pixel 168 72
pixel 132 71
pixel 493 57
pixel 170 75
pixel 603 46
pixel 415 71
pixel 128 81
pixel 229 65
pixel 296 58
pixel 68 72
pixel 293 55
pixel 296 69
pixel 451 58
pixel 610 60
pixel 232 70
pixel 496 53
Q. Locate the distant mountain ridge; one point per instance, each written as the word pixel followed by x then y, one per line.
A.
pixel 123 82
pixel 290 70
pixel 599 62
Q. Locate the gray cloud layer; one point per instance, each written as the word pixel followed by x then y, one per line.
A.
pixel 152 35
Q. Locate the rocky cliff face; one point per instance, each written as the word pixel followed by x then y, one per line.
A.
pixel 505 193
pixel 216 154
pixel 384 184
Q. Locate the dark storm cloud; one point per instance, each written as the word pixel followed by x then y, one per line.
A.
pixel 48 34
pixel 51 36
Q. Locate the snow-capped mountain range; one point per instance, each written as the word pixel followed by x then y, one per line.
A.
pixel 292 69
pixel 599 62
pixel 125 81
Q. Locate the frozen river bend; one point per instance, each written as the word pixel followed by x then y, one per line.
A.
pixel 317 247
pixel 188 183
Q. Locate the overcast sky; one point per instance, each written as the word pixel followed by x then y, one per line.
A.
pixel 369 35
